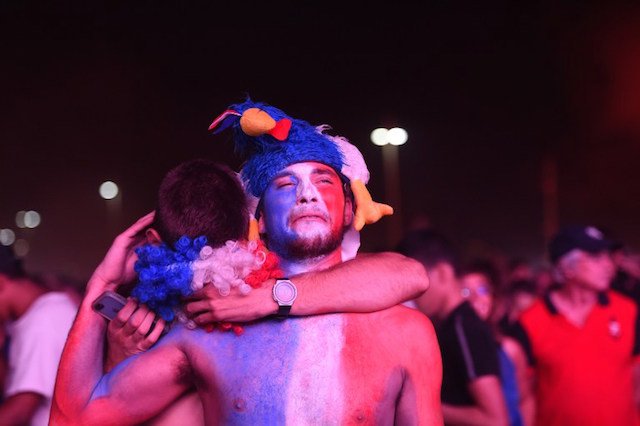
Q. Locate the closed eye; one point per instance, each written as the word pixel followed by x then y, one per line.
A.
pixel 280 185
pixel 283 182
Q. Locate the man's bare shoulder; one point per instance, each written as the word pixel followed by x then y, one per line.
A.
pixel 401 335
pixel 401 314
pixel 399 321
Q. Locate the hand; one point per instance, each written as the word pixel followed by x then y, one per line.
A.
pixel 207 306
pixel 117 266
pixel 130 332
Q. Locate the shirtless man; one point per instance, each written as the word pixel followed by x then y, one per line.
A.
pixel 324 369
pixel 188 203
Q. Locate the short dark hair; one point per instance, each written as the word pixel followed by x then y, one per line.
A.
pixel 522 286
pixel 201 197
pixel 487 268
pixel 429 247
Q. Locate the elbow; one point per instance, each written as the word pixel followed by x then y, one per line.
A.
pixel 63 417
pixel 417 270
pixel 57 418
pixel 498 417
pixel 501 421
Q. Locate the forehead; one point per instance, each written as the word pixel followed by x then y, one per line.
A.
pixel 308 168
pixel 474 278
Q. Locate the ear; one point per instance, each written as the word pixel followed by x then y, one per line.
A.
pixel 262 228
pixel 565 268
pixel 348 212
pixel 564 271
pixel 448 272
pixel 153 237
pixel 442 272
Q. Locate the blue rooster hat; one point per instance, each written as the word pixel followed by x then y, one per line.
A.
pixel 270 141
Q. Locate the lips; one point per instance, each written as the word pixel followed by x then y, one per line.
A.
pixel 308 215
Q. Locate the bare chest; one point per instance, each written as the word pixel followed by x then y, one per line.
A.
pixel 304 371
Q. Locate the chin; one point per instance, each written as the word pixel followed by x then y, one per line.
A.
pixel 311 232
pixel 317 245
pixel 599 287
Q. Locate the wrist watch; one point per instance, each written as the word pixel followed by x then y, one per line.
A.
pixel 284 293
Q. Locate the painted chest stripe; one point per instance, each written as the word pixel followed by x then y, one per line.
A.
pixel 316 388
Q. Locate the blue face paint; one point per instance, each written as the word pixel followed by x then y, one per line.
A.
pixel 304 210
pixel 280 198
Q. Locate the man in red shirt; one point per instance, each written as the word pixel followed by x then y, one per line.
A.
pixel 582 338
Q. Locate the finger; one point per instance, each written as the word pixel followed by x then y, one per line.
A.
pixel 204 318
pixel 124 314
pixel 385 209
pixel 193 308
pixel 135 320
pixel 197 295
pixel 134 230
pixel 155 334
pixel 146 324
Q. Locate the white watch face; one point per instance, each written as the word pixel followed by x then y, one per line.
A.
pixel 284 292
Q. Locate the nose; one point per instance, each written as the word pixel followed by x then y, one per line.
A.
pixel 307 193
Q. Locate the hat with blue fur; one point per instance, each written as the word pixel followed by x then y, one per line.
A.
pixel 270 140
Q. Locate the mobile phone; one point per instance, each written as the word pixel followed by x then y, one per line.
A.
pixel 108 304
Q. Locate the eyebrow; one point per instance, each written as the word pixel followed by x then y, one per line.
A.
pixel 319 171
pixel 316 171
pixel 281 175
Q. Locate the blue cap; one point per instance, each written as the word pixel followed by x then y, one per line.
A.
pixel 577 237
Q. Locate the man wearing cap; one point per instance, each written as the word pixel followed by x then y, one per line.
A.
pixel 382 367
pixel 36 322
pixel 581 338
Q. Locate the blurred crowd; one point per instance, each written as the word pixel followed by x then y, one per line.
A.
pixel 521 344
pixel 554 345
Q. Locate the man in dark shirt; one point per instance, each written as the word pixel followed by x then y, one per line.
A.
pixel 471 391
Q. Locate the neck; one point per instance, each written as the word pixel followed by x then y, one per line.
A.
pixel 576 295
pixel 293 267
pixel 451 301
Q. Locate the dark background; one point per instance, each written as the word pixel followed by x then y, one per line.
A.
pixel 488 93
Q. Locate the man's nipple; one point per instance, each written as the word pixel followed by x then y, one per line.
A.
pixel 239 404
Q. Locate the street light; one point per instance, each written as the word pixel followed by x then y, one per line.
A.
pixel 108 190
pixel 111 193
pixel 389 140
pixel 7 237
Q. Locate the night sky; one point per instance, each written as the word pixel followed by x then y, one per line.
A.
pixel 487 93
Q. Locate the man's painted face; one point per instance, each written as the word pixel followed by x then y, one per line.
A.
pixel 304 211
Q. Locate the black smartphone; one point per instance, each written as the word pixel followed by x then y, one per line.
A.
pixel 108 304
